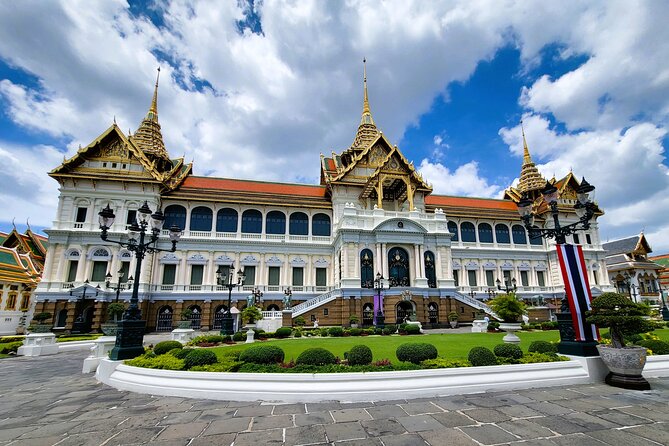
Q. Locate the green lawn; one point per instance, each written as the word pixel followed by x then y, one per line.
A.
pixel 451 346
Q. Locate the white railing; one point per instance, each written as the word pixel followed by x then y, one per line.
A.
pixel 222 288
pixel 315 302
pixel 195 287
pixel 226 235
pixel 200 234
pixel 67 285
pixel 252 236
pixel 475 304
pixel 275 237
pixel 271 314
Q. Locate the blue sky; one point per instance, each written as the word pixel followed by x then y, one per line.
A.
pixel 260 90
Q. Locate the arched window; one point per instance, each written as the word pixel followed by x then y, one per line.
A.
pixel 367 314
pixel 535 238
pixel 518 233
pixel 164 318
pixel 468 232
pixel 219 315
pixel 195 317
pixel 61 319
pixel 485 233
pixel 273 307
pixel 251 221
pixel 502 234
pixel 430 271
pixel 398 262
pixel 200 219
pixel 433 313
pixel 226 220
pixel 275 223
pixel 175 215
pixel 453 227
pixel 366 269
pixel 320 225
pixel 299 223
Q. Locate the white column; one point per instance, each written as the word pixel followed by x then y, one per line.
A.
pixel 378 262
pixel 345 274
pixel 384 261
pixel 416 253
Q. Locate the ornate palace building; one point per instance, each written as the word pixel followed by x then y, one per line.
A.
pixel 371 213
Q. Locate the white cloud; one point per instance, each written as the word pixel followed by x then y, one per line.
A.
pixel 464 181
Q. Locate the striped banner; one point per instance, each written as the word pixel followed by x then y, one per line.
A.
pixel 575 276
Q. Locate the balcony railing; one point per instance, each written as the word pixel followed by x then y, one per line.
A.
pixel 245 288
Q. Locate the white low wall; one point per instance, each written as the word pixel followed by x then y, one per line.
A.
pixel 75 345
pixel 657 366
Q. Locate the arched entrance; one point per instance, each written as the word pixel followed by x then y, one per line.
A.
pixel 87 316
pixel 195 317
pixel 61 320
pixel 433 313
pixel 398 267
pixel 403 311
pixel 367 314
pixel 218 317
pixel 164 319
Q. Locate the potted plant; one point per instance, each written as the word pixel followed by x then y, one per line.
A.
pixel 353 319
pixel 186 314
pixel 41 327
pixel 623 318
pixel 300 321
pixel 453 319
pixel 114 312
pixel 251 314
pixel 510 309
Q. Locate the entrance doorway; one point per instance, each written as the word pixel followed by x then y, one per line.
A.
pixel 403 311
pixel 164 320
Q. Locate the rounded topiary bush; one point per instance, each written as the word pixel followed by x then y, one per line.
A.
pixel 180 353
pixel 239 336
pixel 542 347
pixel 163 347
pixel 655 345
pixel 316 356
pixel 412 329
pixel 199 357
pixel 481 356
pixel 355 331
pixel 283 332
pixel 336 332
pixel 262 354
pixel 508 351
pixel 360 355
pixel 416 352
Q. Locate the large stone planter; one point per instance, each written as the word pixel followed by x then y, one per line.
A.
pixel 510 328
pixel 625 366
pixel 183 335
pixel 38 344
pixel 40 328
pixel 109 328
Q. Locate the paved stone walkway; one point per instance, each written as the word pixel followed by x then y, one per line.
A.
pixel 47 401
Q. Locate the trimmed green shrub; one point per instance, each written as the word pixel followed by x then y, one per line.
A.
pixel 481 356
pixel 360 355
pixel 535 357
pixel 165 362
pixel 443 363
pixel 299 321
pixel 180 353
pixel 493 325
pixel 355 331
pixel 391 327
pixel 542 347
pixel 8 347
pixel 163 347
pixel 239 336
pixel 199 357
pixel 508 351
pixel 623 317
pixel 655 345
pixel 262 354
pixel 552 325
pixel 298 333
pixel 316 356
pixel 283 332
pixel 387 331
pixel 336 332
pixel 416 352
pixel 225 366
pixel 209 339
pixel 6 339
pixel 412 329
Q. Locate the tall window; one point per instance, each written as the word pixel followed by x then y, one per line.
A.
pixel 471 277
pixel 524 280
pixel 298 276
pixel 453 228
pixel 249 275
pixel 540 278
pixel 99 271
pixel 320 225
pixel 11 301
pixel 274 275
pixel 175 215
pixel 196 274
pixel 72 272
pixel 125 270
pixel 507 277
pixel 366 269
pixel 251 221
pixel 275 223
pixel 321 277
pixel 485 233
pixel 489 278
pixel 200 219
pixel 468 232
pixel 430 271
pixel 226 220
pixel 299 224
pixel 535 238
pixel 398 263
pixel 595 276
pixel 225 273
pixel 456 277
pixel 577 240
pixel 131 217
pixel 588 239
pixel 519 237
pixel 81 215
pixel 502 234
pixel 169 274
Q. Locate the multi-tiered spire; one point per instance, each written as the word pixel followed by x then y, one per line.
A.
pixel 367 131
pixel 148 136
pixel 530 178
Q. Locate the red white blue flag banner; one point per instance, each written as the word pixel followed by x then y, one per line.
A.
pixel 577 287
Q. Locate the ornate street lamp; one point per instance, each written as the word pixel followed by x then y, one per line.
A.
pixel 491 293
pixel 577 337
pixel 288 300
pixel 379 317
pixel 228 281
pixel 664 310
pixel 509 287
pixel 79 325
pixel 131 327
pixel 631 287
pixel 119 286
pixel 257 297
pixel 472 294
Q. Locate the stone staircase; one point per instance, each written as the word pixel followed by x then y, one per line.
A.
pixel 475 304
pixel 316 302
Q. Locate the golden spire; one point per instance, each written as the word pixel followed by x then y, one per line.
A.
pixel 148 136
pixel 367 131
pixel 530 178
pixel 152 115
pixel 526 152
pixel 366 111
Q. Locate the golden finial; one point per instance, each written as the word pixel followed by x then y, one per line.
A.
pixel 526 152
pixel 366 111
pixel 153 111
pixel 114 119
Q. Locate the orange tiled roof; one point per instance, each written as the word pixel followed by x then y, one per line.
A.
pixel 227 184
pixel 467 202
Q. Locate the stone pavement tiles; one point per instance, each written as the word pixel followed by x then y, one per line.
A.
pixel 47 401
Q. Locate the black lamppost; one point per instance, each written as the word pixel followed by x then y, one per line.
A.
pixel 585 210
pixel 509 286
pixel 288 300
pixel 472 294
pixel 119 286
pixel 79 325
pixel 228 281
pixel 257 297
pixel 378 285
pixel 631 287
pixel 131 327
pixel 491 293
pixel 664 310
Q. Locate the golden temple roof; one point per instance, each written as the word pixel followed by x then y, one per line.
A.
pixel 367 131
pixel 530 178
